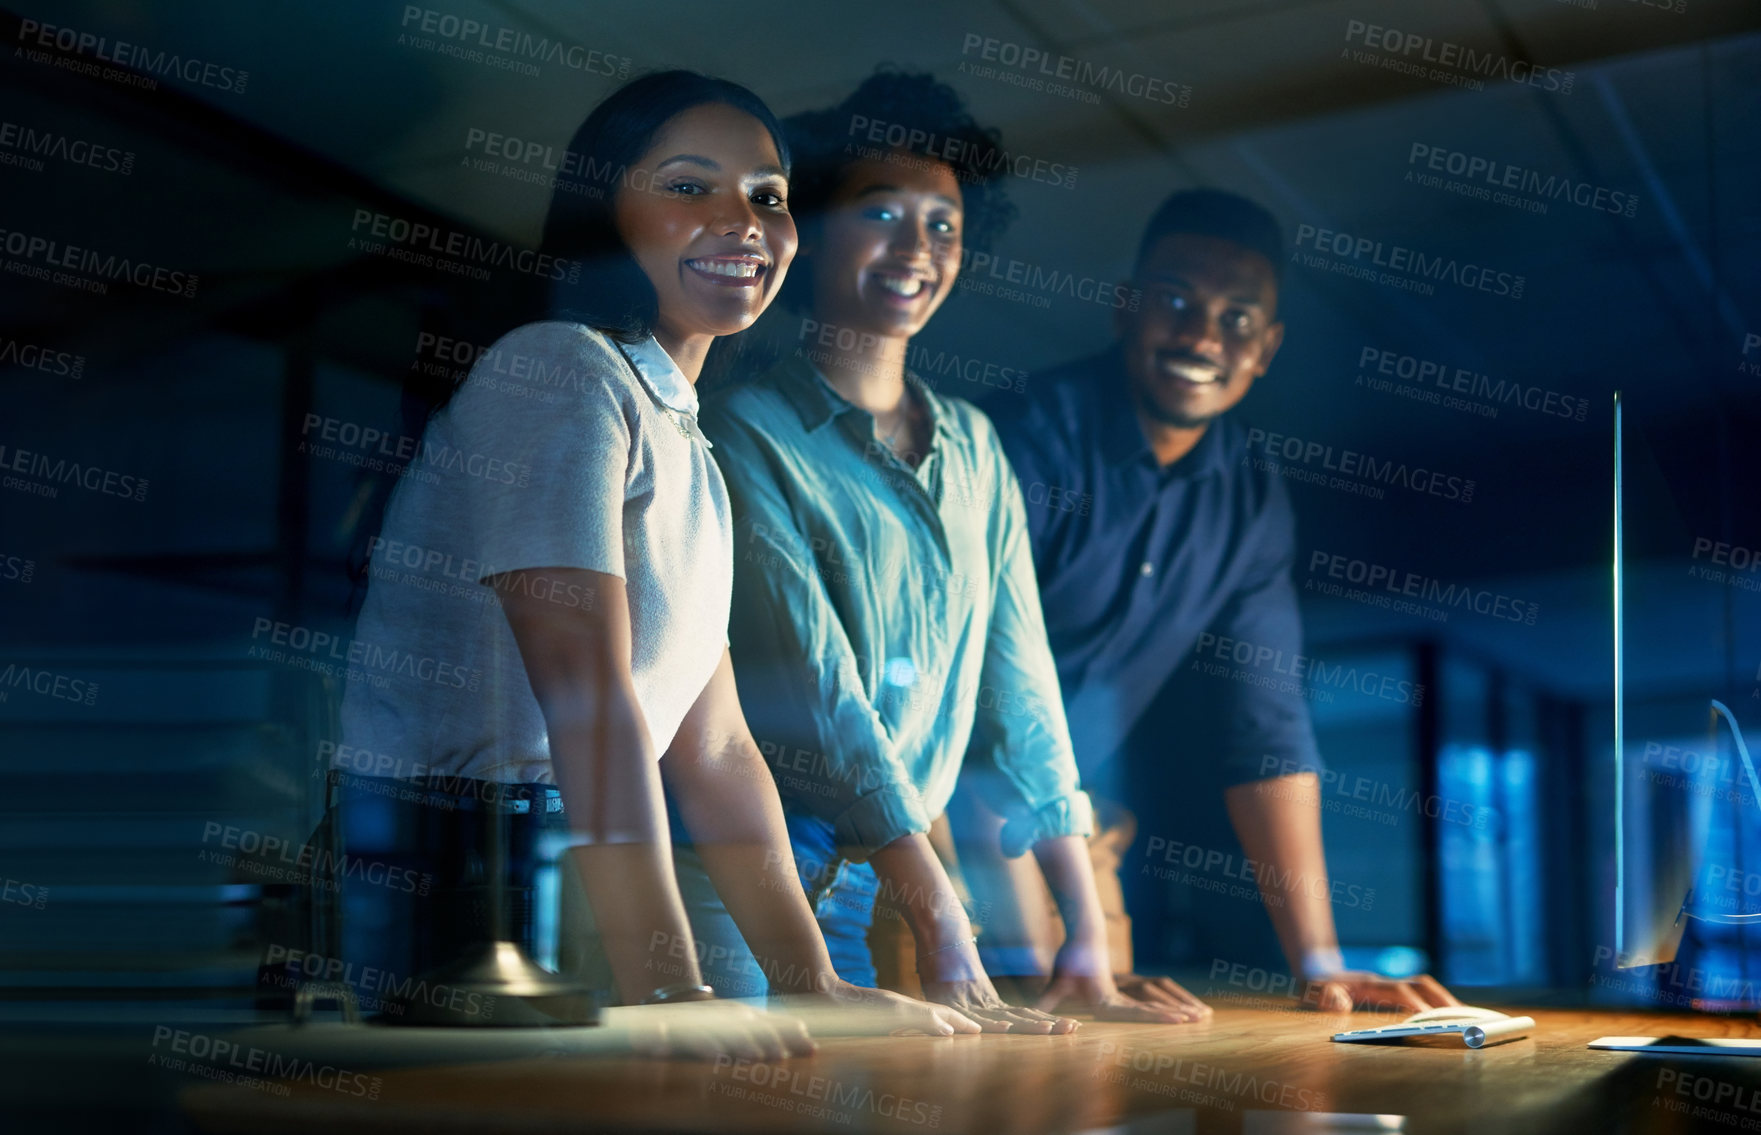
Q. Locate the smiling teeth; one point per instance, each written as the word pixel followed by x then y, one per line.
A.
pixel 901 287
pixel 1189 373
pixel 741 268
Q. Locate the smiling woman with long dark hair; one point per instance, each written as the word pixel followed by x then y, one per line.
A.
pixel 574 556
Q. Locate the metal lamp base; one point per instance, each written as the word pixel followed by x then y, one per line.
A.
pixel 495 986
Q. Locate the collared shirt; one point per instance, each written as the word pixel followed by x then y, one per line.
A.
pixel 1148 572
pixel 885 617
pixel 663 378
pixel 585 455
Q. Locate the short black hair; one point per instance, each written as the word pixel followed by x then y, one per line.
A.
pixel 1219 213
pixel 610 292
pixel 907 111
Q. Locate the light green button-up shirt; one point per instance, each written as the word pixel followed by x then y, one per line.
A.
pixel 885 619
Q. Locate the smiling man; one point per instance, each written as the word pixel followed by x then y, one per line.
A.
pixel 1150 529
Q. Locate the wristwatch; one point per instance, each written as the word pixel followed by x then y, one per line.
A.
pixel 678 991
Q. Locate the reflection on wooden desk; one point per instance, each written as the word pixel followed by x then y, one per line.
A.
pixel 1237 1073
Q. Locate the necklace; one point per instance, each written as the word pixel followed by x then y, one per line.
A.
pixel 891 440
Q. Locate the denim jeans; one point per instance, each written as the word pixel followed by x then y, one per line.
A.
pixel 840 892
pixel 727 965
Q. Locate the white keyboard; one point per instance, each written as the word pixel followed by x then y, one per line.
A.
pixel 1476 1026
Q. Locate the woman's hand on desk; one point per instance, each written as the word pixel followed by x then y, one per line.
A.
pixel 1080 983
pixel 947 951
pixel 845 1008
pixel 953 976
pixel 710 1030
pixel 1161 993
pixel 1156 989
pixel 1352 989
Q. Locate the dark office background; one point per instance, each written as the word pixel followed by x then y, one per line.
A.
pixel 205 401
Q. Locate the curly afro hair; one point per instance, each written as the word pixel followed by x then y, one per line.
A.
pixel 895 111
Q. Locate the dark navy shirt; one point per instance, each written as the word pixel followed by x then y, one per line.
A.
pixel 1148 573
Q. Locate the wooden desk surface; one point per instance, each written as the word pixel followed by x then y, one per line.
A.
pixel 1248 1071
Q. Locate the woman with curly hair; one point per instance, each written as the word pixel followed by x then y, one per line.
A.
pixel 886 616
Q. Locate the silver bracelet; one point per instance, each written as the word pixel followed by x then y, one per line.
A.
pixel 1324 962
pixel 952 946
pixel 678 991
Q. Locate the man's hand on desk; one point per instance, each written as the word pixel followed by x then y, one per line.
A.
pixel 1352 989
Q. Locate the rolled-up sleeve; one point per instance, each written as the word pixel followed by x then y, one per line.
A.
pixel 794 663
pixel 1264 727
pixel 1019 728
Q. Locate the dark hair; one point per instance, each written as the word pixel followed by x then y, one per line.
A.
pixel 609 292
pixel 1218 213
pixel 913 113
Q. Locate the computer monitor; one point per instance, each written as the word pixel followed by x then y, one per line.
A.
pixel 1687 797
